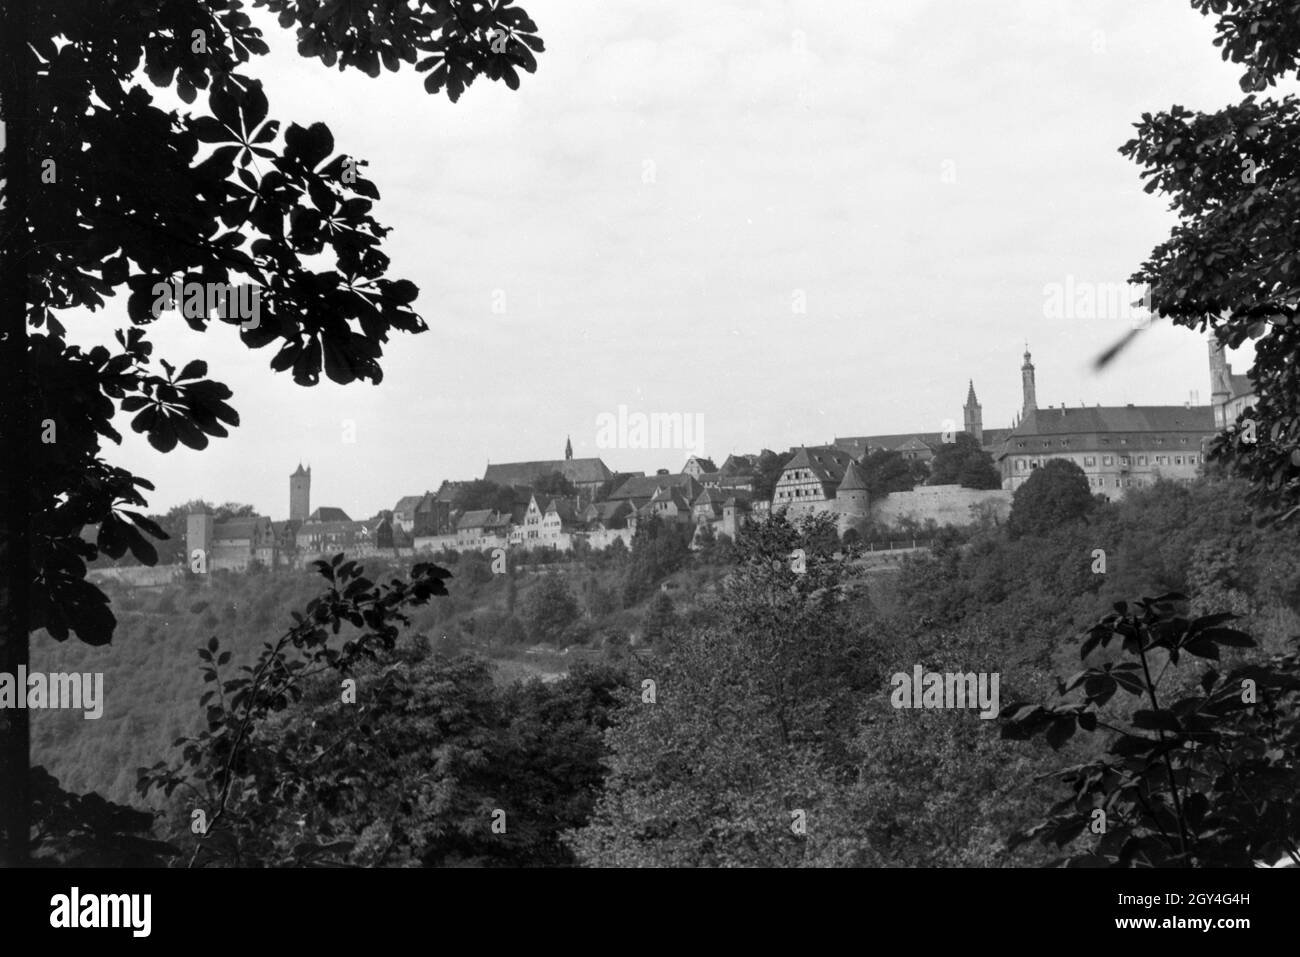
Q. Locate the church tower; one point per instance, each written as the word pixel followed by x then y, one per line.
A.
pixel 300 494
pixel 568 448
pixel 1220 383
pixel 1027 383
pixel 973 415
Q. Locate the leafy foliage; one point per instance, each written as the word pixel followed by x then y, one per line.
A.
pixel 660 618
pixel 963 462
pixel 1054 495
pixel 551 609
pixel 173 525
pixel 1227 266
pixel 979 472
pixel 222 194
pixel 748 722
pixel 405 768
pixel 453 41
pixel 482 494
pixel 1206 779
pixel 770 465
pixel 938 788
pixel 887 471
pixel 75 830
pixel 218 761
pixel 659 548
pixel 554 484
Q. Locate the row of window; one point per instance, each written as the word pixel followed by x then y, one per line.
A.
pixel 1108 461
pixel 537 519
pixel 815 492
pixel 1127 483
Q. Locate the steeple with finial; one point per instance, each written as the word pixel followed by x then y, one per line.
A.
pixel 1027 383
pixel 973 415
pixel 568 448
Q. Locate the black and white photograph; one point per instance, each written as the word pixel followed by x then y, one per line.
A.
pixel 650 435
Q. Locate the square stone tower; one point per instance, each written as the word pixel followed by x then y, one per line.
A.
pixel 300 494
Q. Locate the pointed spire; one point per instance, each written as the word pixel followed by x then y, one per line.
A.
pixel 853 480
pixel 568 448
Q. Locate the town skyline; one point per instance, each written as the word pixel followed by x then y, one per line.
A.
pixel 600 238
pixel 274 502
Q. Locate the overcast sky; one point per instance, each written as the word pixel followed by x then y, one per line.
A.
pixel 652 206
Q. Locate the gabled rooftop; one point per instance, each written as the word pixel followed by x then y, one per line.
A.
pixel 1109 419
pixel 578 471
pixel 826 463
pixel 407 503
pixel 643 487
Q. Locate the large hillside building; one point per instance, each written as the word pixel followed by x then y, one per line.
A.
pixel 587 475
pixel 1118 448
pixel 1121 447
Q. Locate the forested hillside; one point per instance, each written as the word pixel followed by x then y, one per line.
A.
pixel 738 694
pixel 545 602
